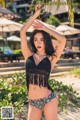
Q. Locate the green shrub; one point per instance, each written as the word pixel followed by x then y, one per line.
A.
pixel 75 71
pixel 66 95
pixel 18 51
pixel 53 20
pixel 13 92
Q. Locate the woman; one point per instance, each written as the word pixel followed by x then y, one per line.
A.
pixel 39 63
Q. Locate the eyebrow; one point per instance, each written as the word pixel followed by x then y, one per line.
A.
pixel 36 38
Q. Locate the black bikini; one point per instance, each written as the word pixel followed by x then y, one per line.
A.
pixel 38 74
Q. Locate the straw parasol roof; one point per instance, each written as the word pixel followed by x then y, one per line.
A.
pixel 67 30
pixel 4 12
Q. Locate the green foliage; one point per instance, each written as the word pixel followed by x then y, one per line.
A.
pixel 67 97
pixel 76 3
pixel 70 3
pixel 75 71
pixel 70 12
pixel 9 6
pixel 18 51
pixel 13 91
pixel 53 20
pixel 21 22
pixel 2 3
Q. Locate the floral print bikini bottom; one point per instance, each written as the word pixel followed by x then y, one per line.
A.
pixel 40 103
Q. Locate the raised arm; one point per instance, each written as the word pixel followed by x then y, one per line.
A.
pixel 24 44
pixel 61 39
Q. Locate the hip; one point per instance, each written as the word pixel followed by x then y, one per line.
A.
pixel 40 103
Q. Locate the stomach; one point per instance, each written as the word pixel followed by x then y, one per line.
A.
pixel 36 92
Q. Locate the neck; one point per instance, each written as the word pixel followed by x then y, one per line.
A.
pixel 41 54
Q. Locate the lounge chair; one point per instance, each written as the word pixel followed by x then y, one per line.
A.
pixel 71 54
pixel 8 55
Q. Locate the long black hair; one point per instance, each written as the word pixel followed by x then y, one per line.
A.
pixel 49 49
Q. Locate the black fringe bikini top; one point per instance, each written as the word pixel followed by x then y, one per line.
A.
pixel 38 74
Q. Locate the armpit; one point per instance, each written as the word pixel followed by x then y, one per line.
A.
pixel 53 56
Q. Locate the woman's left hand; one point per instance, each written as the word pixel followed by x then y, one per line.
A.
pixel 38 25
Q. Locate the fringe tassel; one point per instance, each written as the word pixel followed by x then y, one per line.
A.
pixel 37 79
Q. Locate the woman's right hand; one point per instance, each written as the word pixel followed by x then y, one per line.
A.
pixel 38 9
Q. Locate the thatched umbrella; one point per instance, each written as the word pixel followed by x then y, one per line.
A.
pixel 8 26
pixel 15 38
pixel 67 30
pixel 5 13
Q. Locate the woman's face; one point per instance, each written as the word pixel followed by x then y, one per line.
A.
pixel 39 42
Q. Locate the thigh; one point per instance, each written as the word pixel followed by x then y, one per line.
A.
pixel 34 113
pixel 51 110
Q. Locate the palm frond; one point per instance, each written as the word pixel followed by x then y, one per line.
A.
pixel 2 3
pixel 71 12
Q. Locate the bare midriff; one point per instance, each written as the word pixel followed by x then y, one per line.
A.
pixel 36 92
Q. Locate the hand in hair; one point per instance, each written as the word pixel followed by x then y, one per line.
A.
pixel 37 24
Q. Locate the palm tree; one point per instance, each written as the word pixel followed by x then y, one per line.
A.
pixel 70 12
pixel 71 6
pixel 70 3
pixel 2 3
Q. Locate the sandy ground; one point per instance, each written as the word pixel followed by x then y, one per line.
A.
pixel 73 114
pixel 68 79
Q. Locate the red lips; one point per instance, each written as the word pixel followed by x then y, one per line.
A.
pixel 38 46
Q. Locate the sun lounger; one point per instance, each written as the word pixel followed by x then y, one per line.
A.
pixel 71 54
pixel 8 55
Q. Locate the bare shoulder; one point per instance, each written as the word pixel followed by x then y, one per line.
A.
pixel 26 57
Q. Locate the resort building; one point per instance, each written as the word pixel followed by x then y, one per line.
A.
pixel 21 6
